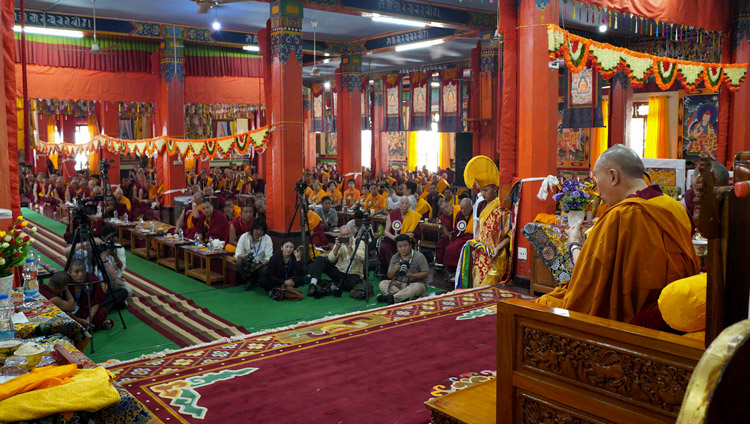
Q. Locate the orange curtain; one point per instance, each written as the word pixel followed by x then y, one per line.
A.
pixel 412 158
pixel 444 153
pixel 657 129
pixel 93 127
pixel 599 136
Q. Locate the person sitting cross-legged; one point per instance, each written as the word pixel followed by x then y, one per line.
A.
pixel 335 265
pixel 285 273
pixel 407 274
pixel 254 250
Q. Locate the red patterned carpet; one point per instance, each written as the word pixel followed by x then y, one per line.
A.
pixel 373 367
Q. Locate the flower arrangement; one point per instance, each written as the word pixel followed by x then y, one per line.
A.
pixel 576 195
pixel 14 245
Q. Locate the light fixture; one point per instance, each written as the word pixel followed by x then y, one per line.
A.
pixel 602 28
pixel 396 21
pixel 327 85
pixel 435 84
pixel 216 25
pixel 326 54
pixel 251 48
pixel 420 45
pixel 50 31
pixel 326 60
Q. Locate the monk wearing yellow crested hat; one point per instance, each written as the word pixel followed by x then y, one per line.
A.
pixel 489 248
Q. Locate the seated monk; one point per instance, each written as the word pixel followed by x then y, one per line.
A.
pixel 112 206
pixel 400 221
pixel 122 199
pixel 241 224
pixel 424 209
pixel 462 230
pixel 317 194
pixel 335 195
pixel 639 245
pixel 214 224
pixel 190 216
pixel 351 195
pixel 317 234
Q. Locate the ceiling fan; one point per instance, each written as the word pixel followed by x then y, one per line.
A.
pixel 206 5
pixel 95 46
pixel 314 71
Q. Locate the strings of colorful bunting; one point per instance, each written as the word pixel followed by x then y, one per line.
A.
pixel 240 143
pixel 608 59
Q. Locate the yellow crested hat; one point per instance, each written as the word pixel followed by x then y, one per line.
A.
pixel 481 170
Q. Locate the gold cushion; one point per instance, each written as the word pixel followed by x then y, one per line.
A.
pixel 683 304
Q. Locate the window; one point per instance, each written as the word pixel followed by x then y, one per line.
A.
pixel 638 127
pixel 82 137
pixel 428 145
pixel 366 148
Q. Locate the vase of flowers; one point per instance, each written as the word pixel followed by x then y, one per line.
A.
pixel 15 242
pixel 575 198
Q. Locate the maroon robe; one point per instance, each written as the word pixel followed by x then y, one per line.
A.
pixel 443 241
pixel 97 296
pixel 458 239
pixel 239 228
pixel 215 226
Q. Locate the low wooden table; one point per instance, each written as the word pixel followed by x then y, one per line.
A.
pixel 120 225
pixel 472 405
pixel 174 261
pixel 147 235
pixel 204 272
pixel 245 199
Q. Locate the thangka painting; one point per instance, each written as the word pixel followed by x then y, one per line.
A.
pixel 331 141
pixel 581 88
pixel 666 178
pixel 700 133
pixel 396 146
pixel 572 144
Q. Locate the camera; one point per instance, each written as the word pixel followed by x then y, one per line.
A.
pixel 104 165
pixel 300 186
pixel 403 269
pixel 344 240
pixel 86 207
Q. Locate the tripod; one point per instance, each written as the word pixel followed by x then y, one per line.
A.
pixel 301 207
pixel 83 234
pixel 366 265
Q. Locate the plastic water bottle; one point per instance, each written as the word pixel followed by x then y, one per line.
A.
pixel 181 234
pixel 114 215
pixel 210 243
pixel 153 227
pixel 29 269
pixel 99 209
pixel 140 222
pixel 6 318
pixel 125 217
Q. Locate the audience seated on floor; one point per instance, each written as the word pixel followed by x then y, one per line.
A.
pixel 340 259
pixel 240 225
pixel 329 217
pixel 83 287
pixel 254 250
pixel 285 273
pixel 640 245
pixel 400 221
pixel 407 273
pixel 56 291
pixel 213 225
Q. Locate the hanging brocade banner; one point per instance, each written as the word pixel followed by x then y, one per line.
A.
pixel 365 103
pixel 420 100
pixel 333 111
pixel 583 99
pixel 392 109
pixel 450 100
pixel 318 108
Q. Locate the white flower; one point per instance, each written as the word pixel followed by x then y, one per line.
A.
pixel 2 261
pixel 33 230
pixel 31 240
pixel 8 237
pixel 5 245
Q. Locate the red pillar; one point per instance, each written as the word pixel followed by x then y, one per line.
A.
pixel 379 138
pixel 621 109
pixel 739 132
pixel 310 137
pixel 537 114
pixel 349 119
pixel 110 125
pixel 284 110
pixel 170 110
pixel 508 89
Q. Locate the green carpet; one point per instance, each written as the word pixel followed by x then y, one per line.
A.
pixel 253 309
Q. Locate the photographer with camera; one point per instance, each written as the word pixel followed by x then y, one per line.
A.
pixel 335 265
pixel 407 273
pixel 254 250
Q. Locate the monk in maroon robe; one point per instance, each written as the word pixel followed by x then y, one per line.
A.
pixel 214 224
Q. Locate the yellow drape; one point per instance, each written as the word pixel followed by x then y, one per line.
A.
pixel 444 153
pixel 93 127
pixel 411 157
pixel 599 139
pixel 657 129
pixel 19 115
pixel 52 138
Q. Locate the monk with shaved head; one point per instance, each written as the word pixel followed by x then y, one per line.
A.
pixel 638 246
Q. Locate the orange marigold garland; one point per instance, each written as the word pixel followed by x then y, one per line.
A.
pixel 665 74
pixel 712 77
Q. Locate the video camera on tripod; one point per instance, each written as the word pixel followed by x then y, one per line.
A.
pixel 300 186
pixel 104 165
pixel 85 207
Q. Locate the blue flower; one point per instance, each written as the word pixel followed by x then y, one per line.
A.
pixel 586 195
pixel 556 197
pixel 576 194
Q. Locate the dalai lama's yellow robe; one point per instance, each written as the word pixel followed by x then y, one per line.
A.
pixel 636 248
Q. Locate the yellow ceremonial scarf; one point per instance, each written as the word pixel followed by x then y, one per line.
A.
pixel 239 186
pixel 408 223
pixel 309 192
pixel 424 194
pixel 190 221
pixel 423 207
pixel 391 180
pixel 125 201
pixel 469 223
pixel 236 210
pixel 151 193
pixel 313 219
pixel 442 185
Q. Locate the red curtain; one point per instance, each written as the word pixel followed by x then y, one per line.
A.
pixel 223 66
pixel 710 15
pixel 9 80
pixel 79 56
pixel 231 90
